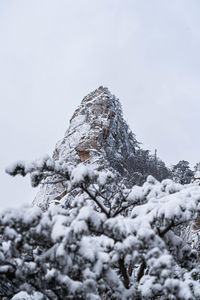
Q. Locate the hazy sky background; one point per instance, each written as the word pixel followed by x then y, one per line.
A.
pixel 54 52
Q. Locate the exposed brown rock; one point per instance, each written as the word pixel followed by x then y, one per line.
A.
pixel 75 114
pixel 96 124
pixel 196 224
pixel 105 132
pixel 84 148
pixel 83 155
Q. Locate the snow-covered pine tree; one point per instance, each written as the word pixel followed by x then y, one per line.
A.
pixel 197 173
pixel 182 173
pixel 112 242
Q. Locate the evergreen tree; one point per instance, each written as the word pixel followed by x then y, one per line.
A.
pixel 182 172
pixel 112 242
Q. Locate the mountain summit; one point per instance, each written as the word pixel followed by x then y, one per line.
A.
pixel 97 135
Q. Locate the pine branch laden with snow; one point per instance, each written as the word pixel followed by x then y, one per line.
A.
pixel 113 242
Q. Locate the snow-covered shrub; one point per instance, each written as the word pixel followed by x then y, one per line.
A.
pixel 112 242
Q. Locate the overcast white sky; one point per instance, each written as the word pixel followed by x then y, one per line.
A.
pixel 53 52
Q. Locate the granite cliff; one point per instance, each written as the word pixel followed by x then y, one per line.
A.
pixel 97 135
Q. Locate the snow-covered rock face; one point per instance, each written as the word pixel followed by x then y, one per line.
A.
pixel 97 135
pixel 97 132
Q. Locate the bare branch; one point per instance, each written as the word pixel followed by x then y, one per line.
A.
pixel 141 270
pixel 99 204
pixel 124 273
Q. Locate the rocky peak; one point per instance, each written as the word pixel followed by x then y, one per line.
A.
pixel 97 135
